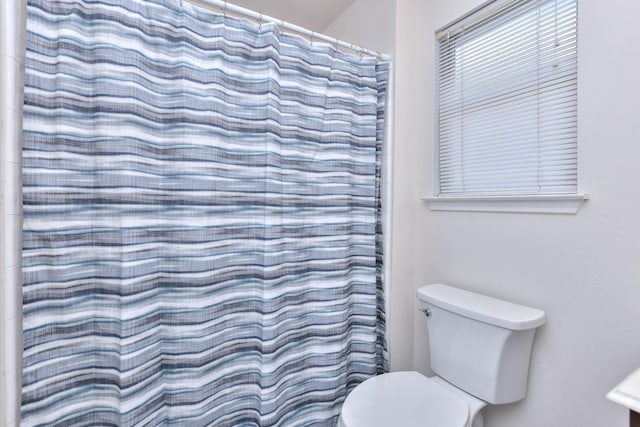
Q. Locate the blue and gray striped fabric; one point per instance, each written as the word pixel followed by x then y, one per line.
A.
pixel 201 219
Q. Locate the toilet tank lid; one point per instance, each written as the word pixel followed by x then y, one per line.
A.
pixel 481 307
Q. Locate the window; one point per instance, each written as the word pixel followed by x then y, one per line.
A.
pixel 507 101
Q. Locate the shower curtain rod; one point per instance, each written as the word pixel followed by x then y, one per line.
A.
pixel 287 26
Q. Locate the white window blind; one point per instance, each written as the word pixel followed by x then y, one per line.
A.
pixel 507 100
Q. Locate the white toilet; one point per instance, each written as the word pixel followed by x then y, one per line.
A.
pixel 480 348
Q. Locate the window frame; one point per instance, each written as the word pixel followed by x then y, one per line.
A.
pixel 498 201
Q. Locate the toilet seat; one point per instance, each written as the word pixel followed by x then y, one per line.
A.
pixel 403 399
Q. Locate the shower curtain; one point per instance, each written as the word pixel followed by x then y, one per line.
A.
pixel 202 219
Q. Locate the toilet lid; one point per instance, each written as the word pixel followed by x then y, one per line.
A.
pixel 403 399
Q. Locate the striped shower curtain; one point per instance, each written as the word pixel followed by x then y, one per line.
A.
pixel 202 239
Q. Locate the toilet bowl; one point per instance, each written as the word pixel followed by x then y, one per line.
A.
pixel 409 399
pixel 480 349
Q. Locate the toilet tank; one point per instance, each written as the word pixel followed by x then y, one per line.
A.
pixel 480 344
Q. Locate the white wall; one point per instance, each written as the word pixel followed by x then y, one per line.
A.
pixel 12 36
pixel 583 270
pixel 367 23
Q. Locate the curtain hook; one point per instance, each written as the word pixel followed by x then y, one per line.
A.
pixel 224 10
pixel 260 23
pixel 312 34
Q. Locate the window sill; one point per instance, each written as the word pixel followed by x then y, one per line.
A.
pixel 567 204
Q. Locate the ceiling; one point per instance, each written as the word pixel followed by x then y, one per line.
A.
pixel 313 15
